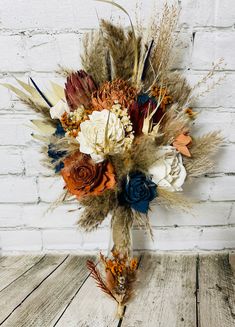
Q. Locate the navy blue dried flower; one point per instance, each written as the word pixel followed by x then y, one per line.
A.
pixel 137 191
pixel 55 154
pixel 60 132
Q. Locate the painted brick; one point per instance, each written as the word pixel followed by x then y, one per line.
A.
pixel 47 52
pixel 5 96
pixel 18 189
pixel 68 239
pixel 33 162
pixel 207 13
pixel 182 51
pixel 13 54
pixel 11 162
pixel 97 240
pixel 198 189
pixel 210 46
pixel 11 215
pixel 232 215
pixel 222 95
pixel 217 238
pixel 48 15
pixel 213 120
pixel 40 216
pixel 223 189
pixel 20 240
pixel 50 188
pixel 204 214
pixel 225 159
pixel 14 131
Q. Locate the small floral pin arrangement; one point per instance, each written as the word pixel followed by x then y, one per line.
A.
pixel 119 133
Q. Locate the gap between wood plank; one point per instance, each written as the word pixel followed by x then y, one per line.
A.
pixel 22 274
pixel 2 322
pixel 197 290
pixel 227 297
pixel 72 299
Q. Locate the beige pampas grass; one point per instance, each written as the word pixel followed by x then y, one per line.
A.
pixel 144 153
pixel 95 58
pixel 175 122
pixel 96 210
pixel 173 200
pixel 178 88
pixel 162 32
pixel 203 148
pixel 121 46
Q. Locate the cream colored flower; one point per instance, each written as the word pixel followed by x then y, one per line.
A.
pixel 59 109
pixel 168 171
pixel 101 135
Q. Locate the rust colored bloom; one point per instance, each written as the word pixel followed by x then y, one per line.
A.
pixel 78 89
pixel 83 177
pixel 112 92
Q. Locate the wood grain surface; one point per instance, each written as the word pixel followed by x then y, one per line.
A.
pixel 172 290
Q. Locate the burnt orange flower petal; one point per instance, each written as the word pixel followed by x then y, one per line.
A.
pixel 84 177
pixel 181 142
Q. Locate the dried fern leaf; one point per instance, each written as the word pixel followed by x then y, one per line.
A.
pixel 95 274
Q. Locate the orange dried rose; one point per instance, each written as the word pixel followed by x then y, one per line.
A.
pixel 84 177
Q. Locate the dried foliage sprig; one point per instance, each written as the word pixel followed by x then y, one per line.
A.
pixel 118 278
pixel 99 281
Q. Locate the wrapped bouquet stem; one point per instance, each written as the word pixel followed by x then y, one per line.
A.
pixel 119 133
pixel 121 229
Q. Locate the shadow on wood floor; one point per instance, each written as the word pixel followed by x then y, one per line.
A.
pixel 173 290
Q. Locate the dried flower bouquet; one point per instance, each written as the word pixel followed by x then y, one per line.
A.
pixel 119 134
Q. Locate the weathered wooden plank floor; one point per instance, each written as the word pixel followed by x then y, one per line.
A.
pixel 174 290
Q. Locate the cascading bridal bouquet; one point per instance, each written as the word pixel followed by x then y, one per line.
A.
pixel 119 134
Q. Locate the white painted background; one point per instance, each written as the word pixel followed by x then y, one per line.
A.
pixel 36 36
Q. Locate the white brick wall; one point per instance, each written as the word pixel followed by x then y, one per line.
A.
pixel 36 36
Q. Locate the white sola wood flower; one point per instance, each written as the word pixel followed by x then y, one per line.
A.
pixel 168 171
pixel 102 134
